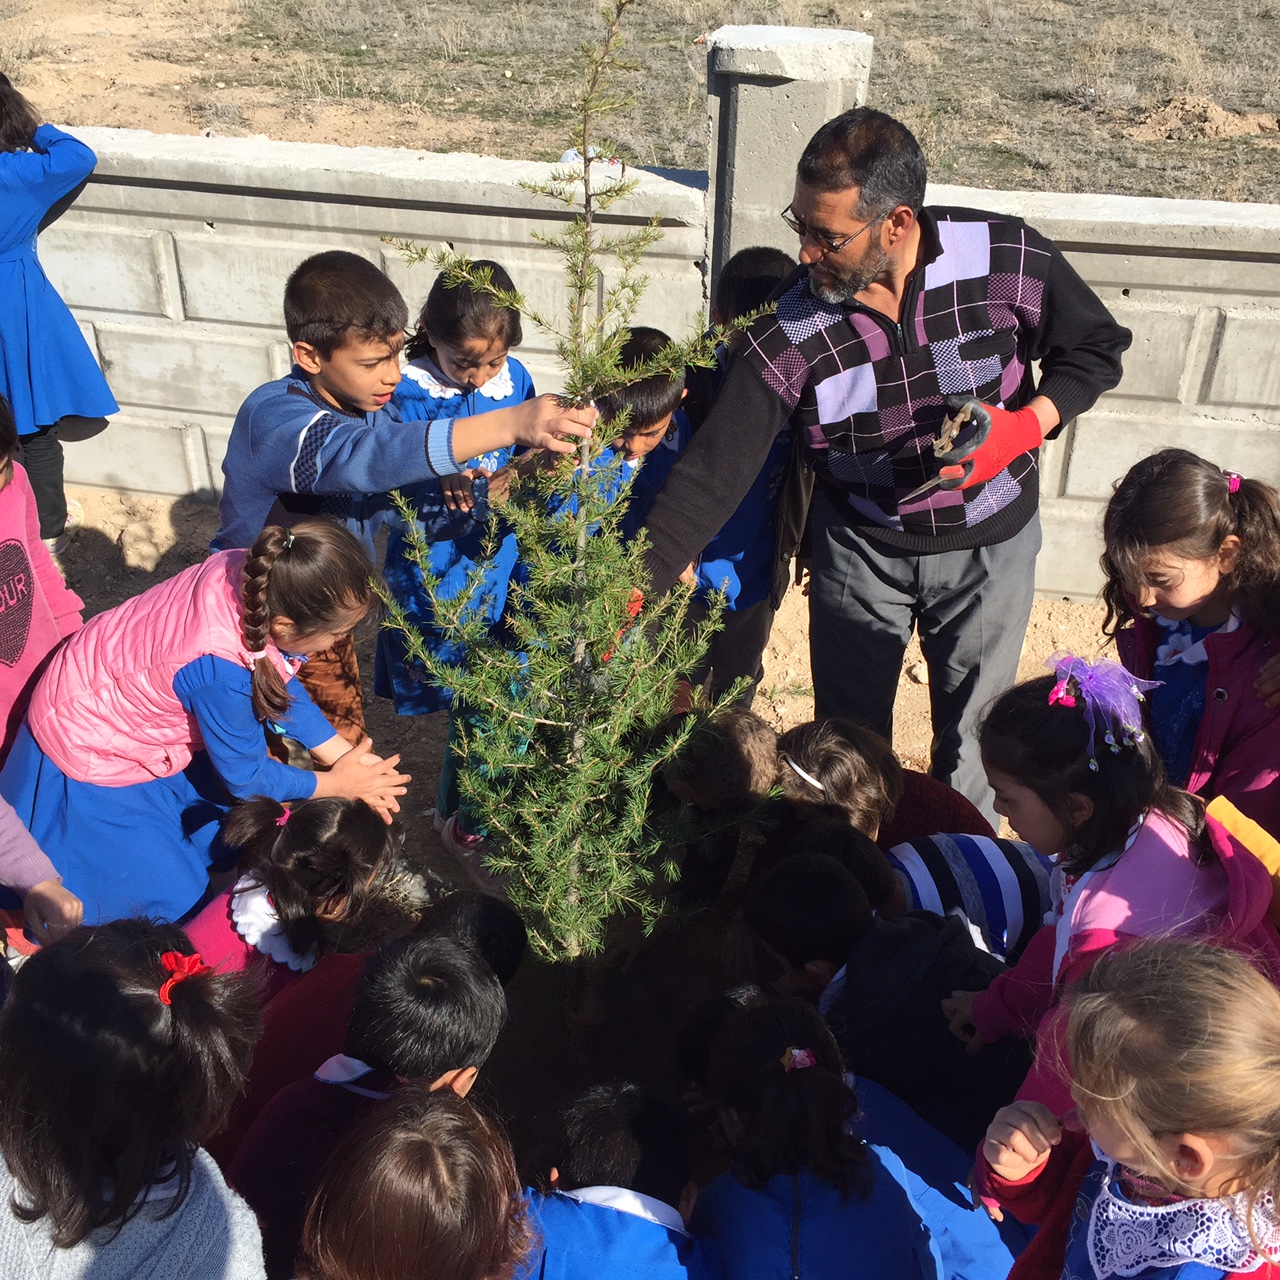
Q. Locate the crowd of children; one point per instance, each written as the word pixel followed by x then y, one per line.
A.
pixel 230 1051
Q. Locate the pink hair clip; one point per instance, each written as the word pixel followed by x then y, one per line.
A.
pixel 284 817
pixel 797 1060
pixel 1233 481
pixel 1061 694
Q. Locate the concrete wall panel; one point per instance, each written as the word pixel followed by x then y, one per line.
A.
pixel 1248 367
pixel 110 270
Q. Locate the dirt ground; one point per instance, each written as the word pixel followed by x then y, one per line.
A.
pixel 1169 98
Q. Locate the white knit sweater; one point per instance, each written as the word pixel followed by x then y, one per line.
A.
pixel 214 1236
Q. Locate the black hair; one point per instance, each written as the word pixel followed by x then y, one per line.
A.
pixel 322 861
pixel 791 1119
pixel 696 1036
pixel 334 294
pixel 455 314
pixel 619 1135
pixel 853 850
pixel 424 1006
pixel 1049 749
pixel 1181 503
pixel 481 921
pixel 19 120
pixel 106 1089
pixel 747 281
pixel 809 908
pixel 869 151
pixel 650 399
pixel 8 435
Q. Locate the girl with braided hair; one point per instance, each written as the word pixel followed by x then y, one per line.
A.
pixel 148 724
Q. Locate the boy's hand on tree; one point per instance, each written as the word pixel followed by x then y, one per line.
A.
pixel 545 421
pixel 958 1011
pixel 500 484
pixel 1267 685
pixel 458 494
pixel 1020 1139
pixel 49 911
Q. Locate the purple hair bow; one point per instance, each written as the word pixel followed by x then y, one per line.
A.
pixel 1111 695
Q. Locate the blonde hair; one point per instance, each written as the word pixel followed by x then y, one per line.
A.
pixel 1172 1037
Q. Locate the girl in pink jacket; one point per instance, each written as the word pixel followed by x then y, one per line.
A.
pixel 1192 558
pixel 148 723
pixel 1078 778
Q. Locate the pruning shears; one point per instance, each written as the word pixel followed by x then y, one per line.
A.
pixel 957 460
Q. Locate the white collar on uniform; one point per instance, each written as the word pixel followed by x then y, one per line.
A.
pixel 255 920
pixel 345 1070
pixel 632 1202
pixel 432 379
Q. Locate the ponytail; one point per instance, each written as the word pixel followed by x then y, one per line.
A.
pixel 316 574
pixel 1256 576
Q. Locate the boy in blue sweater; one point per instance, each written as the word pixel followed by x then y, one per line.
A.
pixel 619 1201
pixel 323 439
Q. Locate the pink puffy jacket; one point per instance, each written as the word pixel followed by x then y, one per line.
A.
pixel 105 710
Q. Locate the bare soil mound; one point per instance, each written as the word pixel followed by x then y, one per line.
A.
pixel 1187 118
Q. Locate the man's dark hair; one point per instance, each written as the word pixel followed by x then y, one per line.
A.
pixel 651 399
pixel 853 850
pixel 871 151
pixel 425 1006
pixel 809 908
pixel 335 294
pixel 481 921
pixel 747 281
pixel 618 1135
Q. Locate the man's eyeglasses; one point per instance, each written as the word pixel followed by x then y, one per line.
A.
pixel 827 243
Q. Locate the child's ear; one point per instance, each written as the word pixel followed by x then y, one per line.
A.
pixel 307 358
pixel 1079 809
pixel 460 1080
pixel 553 1178
pixel 1195 1156
pixel 1229 553
pixel 684 392
pixel 688 1198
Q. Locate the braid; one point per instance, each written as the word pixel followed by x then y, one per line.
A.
pixel 270 697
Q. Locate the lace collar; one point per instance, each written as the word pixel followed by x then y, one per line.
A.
pixel 1177 646
pixel 1125 1239
pixel 432 379
pixel 255 920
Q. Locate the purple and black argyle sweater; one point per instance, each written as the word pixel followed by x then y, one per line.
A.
pixel 989 297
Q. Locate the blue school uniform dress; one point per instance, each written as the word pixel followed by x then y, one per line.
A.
pixel 802 1226
pixel 146 849
pixel 47 371
pixel 598 1232
pixel 1001 887
pixel 456 537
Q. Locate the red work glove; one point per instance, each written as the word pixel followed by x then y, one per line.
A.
pixel 1000 437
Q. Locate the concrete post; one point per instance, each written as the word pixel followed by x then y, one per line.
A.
pixel 768 90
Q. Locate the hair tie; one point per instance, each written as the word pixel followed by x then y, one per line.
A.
pixel 288 540
pixel 181 967
pixel 808 777
pixel 285 816
pixel 1233 481
pixel 797 1060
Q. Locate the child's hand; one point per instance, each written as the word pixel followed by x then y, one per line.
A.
pixel 545 421
pixel 690 575
pixel 958 1011
pixel 1020 1138
pixel 458 495
pixel 359 775
pixel 1267 685
pixel 500 484
pixel 50 911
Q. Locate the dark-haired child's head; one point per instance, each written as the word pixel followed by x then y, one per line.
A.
pixel 777 1081
pixel 853 850
pixel 619 1135
pixel 728 765
pixel 697 1034
pixel 747 281
pixel 18 118
pixel 346 322
pixel 321 861
pixel 426 1186
pixel 840 769
pixel 652 401
pixel 1061 791
pixel 427 1008
pixel 810 912
pixel 483 922
pixel 114 1066
pixel 464 330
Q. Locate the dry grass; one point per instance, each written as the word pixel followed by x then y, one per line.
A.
pixel 21 37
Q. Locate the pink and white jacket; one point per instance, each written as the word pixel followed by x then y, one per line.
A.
pixel 105 710
pixel 1237 751
pixel 1154 888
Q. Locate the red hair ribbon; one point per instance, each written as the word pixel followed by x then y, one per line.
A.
pixel 181 967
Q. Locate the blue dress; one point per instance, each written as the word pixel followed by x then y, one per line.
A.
pixel 456 537
pixel 146 849
pixel 46 368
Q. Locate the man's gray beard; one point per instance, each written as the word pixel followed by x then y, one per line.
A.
pixel 845 289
